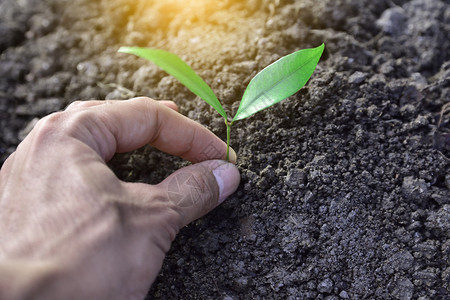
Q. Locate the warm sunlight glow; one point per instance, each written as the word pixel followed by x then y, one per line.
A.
pixel 197 28
pixel 159 14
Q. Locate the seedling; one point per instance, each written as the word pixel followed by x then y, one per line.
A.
pixel 273 84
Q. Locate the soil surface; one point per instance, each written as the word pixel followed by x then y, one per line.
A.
pixel 345 189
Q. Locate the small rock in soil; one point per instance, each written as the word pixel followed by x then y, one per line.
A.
pixel 295 178
pixel 325 286
pixel 415 189
pixel 404 289
pixel 440 220
pixel 400 261
pixel 357 77
pixel 393 21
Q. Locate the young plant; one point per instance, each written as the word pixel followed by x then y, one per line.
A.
pixel 273 84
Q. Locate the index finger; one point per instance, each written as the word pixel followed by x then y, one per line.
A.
pixel 140 121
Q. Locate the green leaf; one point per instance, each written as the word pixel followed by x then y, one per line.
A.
pixel 176 67
pixel 278 81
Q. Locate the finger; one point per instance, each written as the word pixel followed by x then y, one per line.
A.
pixel 80 104
pixel 90 103
pixel 130 124
pixel 195 190
pixel 169 104
pixel 199 188
pixel 5 170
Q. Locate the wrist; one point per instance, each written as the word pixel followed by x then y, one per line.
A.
pixel 24 279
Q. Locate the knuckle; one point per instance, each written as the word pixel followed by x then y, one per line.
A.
pixel 73 120
pixel 79 104
pixel 75 104
pixel 143 98
pixel 169 221
pixel 50 123
pixel 85 125
pixel 47 130
pixel 62 123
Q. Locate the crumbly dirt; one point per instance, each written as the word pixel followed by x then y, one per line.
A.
pixel 345 189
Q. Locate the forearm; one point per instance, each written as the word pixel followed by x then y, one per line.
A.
pixel 68 264
pixel 89 278
pixel 22 279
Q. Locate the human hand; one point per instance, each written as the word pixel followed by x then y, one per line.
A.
pixel 70 229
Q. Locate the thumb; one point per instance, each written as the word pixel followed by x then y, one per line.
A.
pixel 197 189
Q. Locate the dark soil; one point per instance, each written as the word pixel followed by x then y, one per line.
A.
pixel 345 188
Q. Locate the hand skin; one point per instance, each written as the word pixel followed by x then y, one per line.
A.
pixel 70 229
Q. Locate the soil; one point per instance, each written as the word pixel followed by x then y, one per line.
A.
pixel 345 189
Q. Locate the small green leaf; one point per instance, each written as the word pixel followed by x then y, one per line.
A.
pixel 278 81
pixel 176 67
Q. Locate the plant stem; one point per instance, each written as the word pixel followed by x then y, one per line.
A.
pixel 228 139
